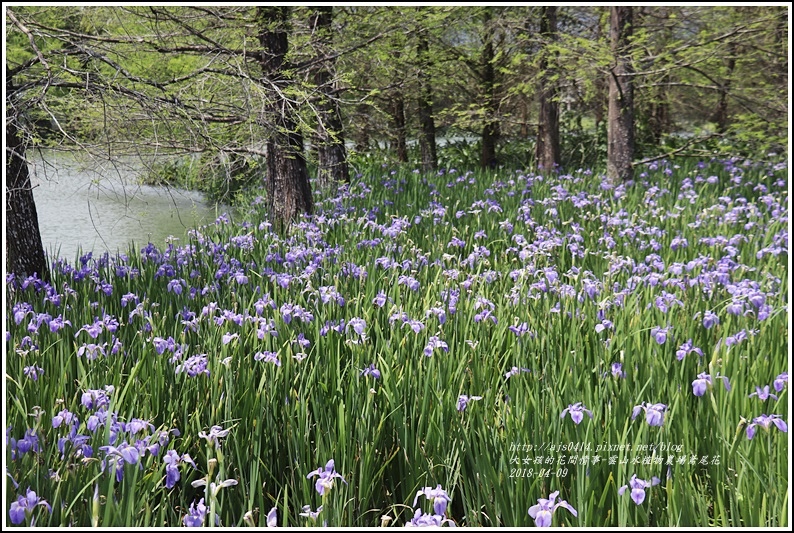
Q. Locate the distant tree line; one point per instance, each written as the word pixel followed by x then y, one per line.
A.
pixel 266 81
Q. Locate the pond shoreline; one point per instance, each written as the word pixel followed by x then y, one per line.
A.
pixel 101 206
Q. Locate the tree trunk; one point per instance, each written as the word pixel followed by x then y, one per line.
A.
pixel 398 117
pixel 659 122
pixel 547 149
pixel 600 90
pixel 490 130
pixel 660 113
pixel 427 136
pixel 332 156
pixel 620 132
pixel 287 182
pixel 24 251
pixel 526 101
pixel 721 113
pixel 361 138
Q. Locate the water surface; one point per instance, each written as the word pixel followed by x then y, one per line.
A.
pixel 99 206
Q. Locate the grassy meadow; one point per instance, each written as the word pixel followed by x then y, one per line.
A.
pixel 446 349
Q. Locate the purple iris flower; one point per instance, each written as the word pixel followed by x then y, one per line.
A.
pixel 456 242
pixel 486 314
pixel 175 286
pixel 260 304
pixel 710 320
pixel 137 425
pixel 64 417
pixel 704 380
pixel 765 421
pixel 654 413
pixel 542 512
pixel 687 348
pixel 97 419
pixel 520 330
pixel 380 299
pixel 433 343
pixel 161 345
pixel 269 327
pixel 757 299
pixel 358 325
pixel 638 487
pixel 287 312
pixel 117 346
pixel 577 411
pixel 329 293
pixel 91 351
pixel 110 323
pixel 763 394
pixel 590 288
pixel 408 281
pixel 25 505
pixel 96 399
pixel 371 371
pixel 29 443
pixel 216 433
pixel 604 325
pixel 331 325
pixel 438 495
pixel 439 312
pixel 272 518
pixel 515 370
pixel 79 444
pixel 240 278
pixel 421 519
pixel 21 310
pixel 780 381
pixel 736 307
pixel 196 514
pixel 58 323
pixel 464 400
pixel 660 334
pixel 171 460
pixel 93 330
pixel 121 454
pixel 267 357
pixel 33 372
pixel 308 513
pixel 617 370
pixel 129 297
pixel 126 452
pixel 228 337
pixel 302 341
pixel 678 242
pixel 326 480
pixel 195 365
pixel 415 325
pixel 740 336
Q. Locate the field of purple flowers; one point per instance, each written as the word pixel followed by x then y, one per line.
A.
pixel 471 349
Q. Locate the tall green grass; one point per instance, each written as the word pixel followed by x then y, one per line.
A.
pixel 392 436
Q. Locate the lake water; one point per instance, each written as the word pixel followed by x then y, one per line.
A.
pixel 99 206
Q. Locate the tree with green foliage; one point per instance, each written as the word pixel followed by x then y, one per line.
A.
pixel 24 250
pixel 29 77
pixel 547 147
pixel 620 138
pixel 288 190
pixel 427 135
pixel 332 155
pixel 490 129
